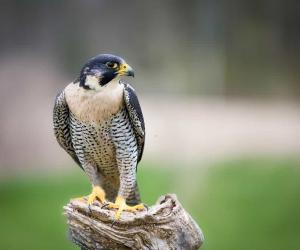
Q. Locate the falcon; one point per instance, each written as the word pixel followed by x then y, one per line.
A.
pixel 98 121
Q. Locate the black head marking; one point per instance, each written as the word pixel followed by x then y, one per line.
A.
pixel 104 66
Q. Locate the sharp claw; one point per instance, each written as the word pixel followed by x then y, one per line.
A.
pixel 113 223
pixel 105 205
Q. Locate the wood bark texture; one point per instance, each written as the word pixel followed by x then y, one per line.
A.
pixel 166 225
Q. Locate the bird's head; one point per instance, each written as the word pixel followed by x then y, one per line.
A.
pixel 100 70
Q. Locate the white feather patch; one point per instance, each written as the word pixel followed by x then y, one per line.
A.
pixel 93 82
pixel 95 105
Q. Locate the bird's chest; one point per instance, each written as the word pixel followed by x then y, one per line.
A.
pixel 97 143
pixel 93 141
pixel 92 106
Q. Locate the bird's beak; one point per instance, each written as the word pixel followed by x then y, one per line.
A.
pixel 126 70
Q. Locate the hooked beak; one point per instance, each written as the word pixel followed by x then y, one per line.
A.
pixel 126 70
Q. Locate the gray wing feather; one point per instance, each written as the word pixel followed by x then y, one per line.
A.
pixel 136 117
pixel 61 124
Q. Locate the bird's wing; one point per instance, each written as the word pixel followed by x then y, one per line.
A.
pixel 136 117
pixel 61 124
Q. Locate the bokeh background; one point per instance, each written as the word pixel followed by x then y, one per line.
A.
pixel 219 84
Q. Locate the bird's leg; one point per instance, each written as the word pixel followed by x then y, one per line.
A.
pixel 126 160
pixel 97 192
pixel 127 187
pixel 95 178
pixel 121 205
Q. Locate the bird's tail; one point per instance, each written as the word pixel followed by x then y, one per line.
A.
pixel 134 198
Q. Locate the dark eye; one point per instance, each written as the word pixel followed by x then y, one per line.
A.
pixel 111 65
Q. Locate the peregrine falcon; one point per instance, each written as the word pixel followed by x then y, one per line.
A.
pixel 99 122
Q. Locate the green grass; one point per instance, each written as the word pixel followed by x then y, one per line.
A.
pixel 251 204
pixel 240 205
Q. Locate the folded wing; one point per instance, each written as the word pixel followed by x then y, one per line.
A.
pixel 136 117
pixel 61 123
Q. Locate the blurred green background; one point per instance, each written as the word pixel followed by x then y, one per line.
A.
pixel 239 204
pixel 219 85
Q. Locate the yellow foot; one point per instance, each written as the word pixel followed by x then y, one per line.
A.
pixel 97 192
pixel 121 205
pixel 82 199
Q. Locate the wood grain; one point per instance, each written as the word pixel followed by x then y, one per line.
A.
pixel 166 225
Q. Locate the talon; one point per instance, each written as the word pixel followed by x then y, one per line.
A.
pixel 121 205
pixel 113 223
pixel 97 193
pixel 105 205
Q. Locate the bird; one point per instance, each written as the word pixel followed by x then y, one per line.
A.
pixel 98 121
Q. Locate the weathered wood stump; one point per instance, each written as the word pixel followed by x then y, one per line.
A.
pixel 166 225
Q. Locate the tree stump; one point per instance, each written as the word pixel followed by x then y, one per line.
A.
pixel 166 225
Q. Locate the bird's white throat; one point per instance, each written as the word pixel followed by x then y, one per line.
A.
pixel 93 83
pixel 95 104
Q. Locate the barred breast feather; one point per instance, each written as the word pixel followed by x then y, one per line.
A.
pixel 103 130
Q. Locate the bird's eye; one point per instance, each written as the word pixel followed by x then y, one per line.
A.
pixel 111 65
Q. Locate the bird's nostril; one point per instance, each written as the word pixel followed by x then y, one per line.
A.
pixel 124 66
